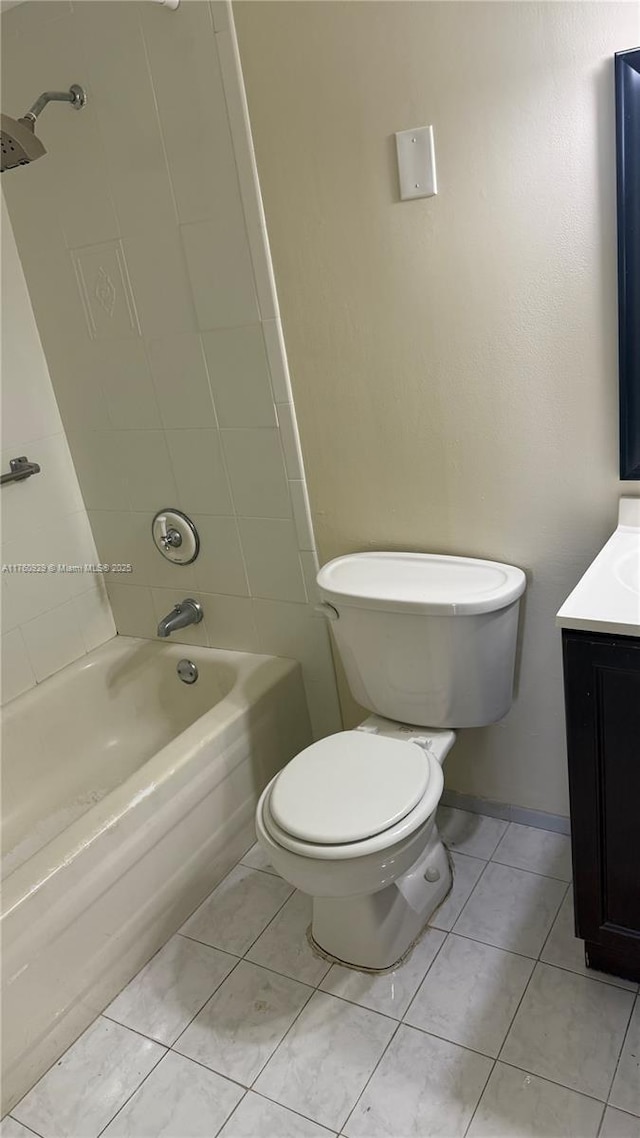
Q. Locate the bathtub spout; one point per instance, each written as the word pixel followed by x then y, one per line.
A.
pixel 183 614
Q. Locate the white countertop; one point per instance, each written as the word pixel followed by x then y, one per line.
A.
pixel 607 596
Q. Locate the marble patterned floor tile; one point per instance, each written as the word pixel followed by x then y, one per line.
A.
pixel 424 1087
pixel 165 996
pixel 81 1093
pixel 625 1092
pixel 258 1117
pixel 511 909
pixel 518 1105
pixel 471 994
pixel 243 1022
pixel 539 851
pixel 618 1124
pixel 466 872
pixel 179 1099
pixel 257 859
pixel 9 1128
pixel 238 910
pixel 284 945
pixel 323 1064
pixel 387 992
pixel 566 950
pixel 473 834
pixel 569 1029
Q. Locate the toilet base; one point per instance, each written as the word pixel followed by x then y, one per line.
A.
pixel 375 931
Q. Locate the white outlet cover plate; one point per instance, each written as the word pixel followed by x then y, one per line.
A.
pixel 416 163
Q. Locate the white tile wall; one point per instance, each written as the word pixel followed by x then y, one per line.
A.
pixel 48 619
pixel 155 299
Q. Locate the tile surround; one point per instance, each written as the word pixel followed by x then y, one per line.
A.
pixel 157 309
pixel 239 371
pixel 48 619
pixel 279 1046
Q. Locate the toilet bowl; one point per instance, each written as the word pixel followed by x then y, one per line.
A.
pixel 351 819
pixel 366 847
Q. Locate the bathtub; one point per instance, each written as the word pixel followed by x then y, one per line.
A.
pixel 127 795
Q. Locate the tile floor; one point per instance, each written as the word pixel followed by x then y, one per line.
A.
pixel 492 1028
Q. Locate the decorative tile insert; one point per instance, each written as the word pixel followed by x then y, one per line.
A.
pixel 105 291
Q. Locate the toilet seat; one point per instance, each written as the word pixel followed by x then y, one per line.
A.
pixel 349 787
pixel 422 785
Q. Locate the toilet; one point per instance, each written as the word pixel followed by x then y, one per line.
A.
pixel 428 645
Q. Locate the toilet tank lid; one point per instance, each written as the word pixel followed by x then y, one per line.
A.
pixel 426 583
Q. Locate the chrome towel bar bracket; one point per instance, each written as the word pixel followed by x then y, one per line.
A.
pixel 21 468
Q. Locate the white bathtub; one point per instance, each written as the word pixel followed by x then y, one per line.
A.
pixel 127 795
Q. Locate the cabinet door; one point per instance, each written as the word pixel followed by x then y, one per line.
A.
pixel 602 697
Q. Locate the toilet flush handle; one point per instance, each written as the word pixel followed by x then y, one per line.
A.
pixel 325 609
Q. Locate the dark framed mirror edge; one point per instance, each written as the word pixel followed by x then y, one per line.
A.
pixel 627 89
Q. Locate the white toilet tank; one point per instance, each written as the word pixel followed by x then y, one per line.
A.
pixel 425 639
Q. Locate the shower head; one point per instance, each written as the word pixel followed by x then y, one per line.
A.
pixel 19 143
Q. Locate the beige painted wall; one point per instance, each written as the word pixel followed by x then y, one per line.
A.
pixel 143 245
pixel 453 359
pixel 47 619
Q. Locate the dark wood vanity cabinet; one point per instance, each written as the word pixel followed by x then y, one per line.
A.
pixel 602 701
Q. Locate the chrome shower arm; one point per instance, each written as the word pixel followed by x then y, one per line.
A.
pixel 75 95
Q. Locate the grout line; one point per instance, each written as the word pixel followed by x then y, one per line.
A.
pixel 403 1018
pixel 315 988
pixel 230 1116
pixel 475 886
pixel 480 1097
pixel 197 1013
pixel 299 1113
pixel 533 872
pixel 312 992
pixel 133 1030
pixel 553 925
pixel 212 1070
pixel 554 1082
pixel 635 1004
pixel 498 947
pixel 135 1091
pixel 14 1119
pixel 384 1052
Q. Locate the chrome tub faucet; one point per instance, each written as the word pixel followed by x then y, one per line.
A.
pixel 181 616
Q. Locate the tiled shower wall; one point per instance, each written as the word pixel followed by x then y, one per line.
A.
pixel 143 244
pixel 48 619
